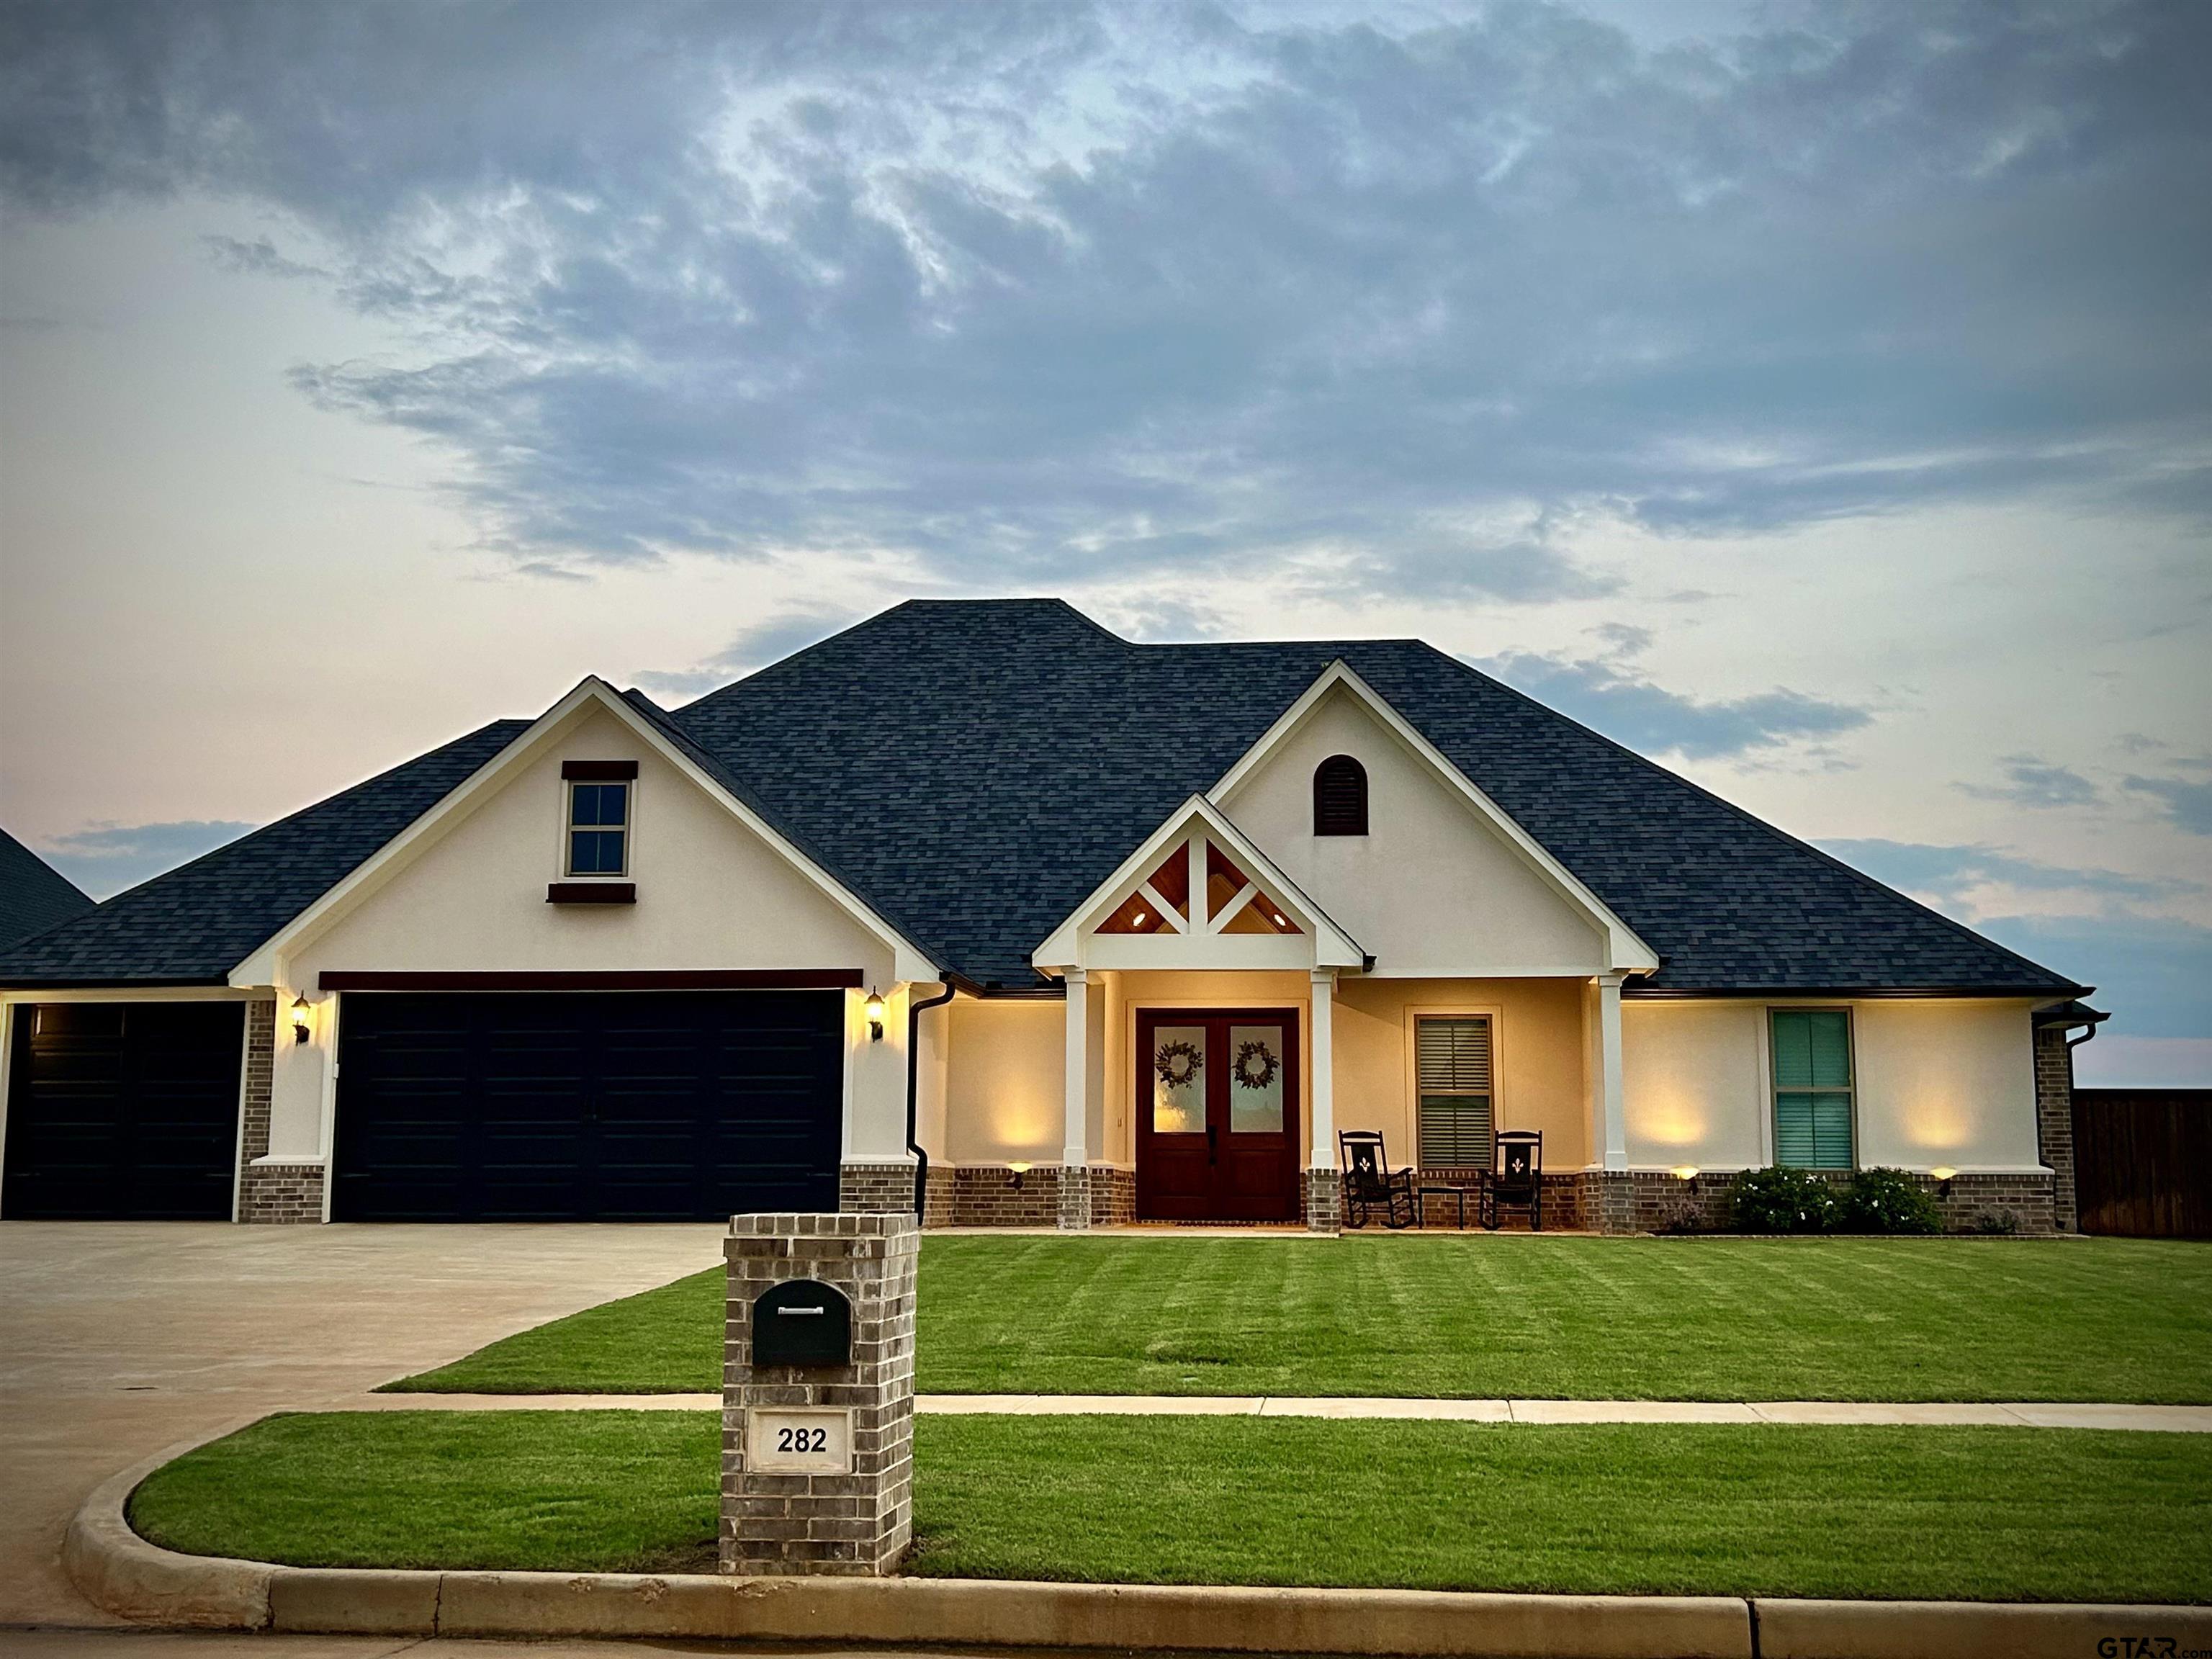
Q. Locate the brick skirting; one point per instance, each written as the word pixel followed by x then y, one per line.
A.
pixel 1113 1196
pixel 875 1189
pixel 1653 1200
pixel 1324 1200
pixel 281 1192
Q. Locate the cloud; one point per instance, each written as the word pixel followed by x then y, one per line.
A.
pixel 1037 295
pixel 1608 693
pixel 105 858
pixel 768 640
pixel 2153 973
pixel 2035 782
pixel 257 258
pixel 2188 805
pixel 1951 874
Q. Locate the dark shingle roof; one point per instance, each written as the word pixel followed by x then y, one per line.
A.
pixel 981 766
pixel 972 770
pixel 201 920
pixel 33 894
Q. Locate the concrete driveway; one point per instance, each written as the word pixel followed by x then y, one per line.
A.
pixel 118 1339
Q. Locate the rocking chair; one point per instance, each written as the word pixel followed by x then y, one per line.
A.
pixel 1517 1181
pixel 1370 1184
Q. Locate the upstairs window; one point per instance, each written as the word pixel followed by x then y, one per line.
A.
pixel 1451 1058
pixel 598 828
pixel 1339 797
pixel 1813 1088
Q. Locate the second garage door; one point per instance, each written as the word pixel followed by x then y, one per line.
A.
pixel 618 1106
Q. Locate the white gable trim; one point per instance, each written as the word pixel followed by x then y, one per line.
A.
pixel 1071 943
pixel 267 964
pixel 1625 951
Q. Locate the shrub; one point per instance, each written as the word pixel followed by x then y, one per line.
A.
pixel 1679 1218
pixel 2000 1223
pixel 1888 1202
pixel 1782 1201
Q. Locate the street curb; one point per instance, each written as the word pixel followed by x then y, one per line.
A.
pixel 120 1572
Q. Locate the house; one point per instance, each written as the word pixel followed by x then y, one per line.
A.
pixel 33 894
pixel 981 901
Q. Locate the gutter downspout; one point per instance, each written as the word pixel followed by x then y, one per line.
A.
pixel 914 1012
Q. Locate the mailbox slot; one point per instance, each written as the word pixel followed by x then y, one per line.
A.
pixel 802 1321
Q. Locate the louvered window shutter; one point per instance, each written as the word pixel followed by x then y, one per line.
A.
pixel 1339 797
pixel 1813 1088
pixel 1451 1056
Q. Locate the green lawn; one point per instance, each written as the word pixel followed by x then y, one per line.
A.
pixel 1589 1318
pixel 2012 1514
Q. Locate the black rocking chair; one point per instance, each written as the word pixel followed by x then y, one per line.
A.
pixel 1370 1184
pixel 1517 1181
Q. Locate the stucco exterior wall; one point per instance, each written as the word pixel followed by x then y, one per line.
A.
pixel 1005 1081
pixel 1939 1082
pixel 1430 890
pixel 1537 1057
pixel 1948 1083
pixel 711 895
pixel 1693 1084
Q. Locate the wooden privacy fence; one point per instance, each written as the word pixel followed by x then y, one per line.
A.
pixel 2142 1162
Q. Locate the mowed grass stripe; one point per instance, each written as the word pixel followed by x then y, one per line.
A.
pixel 1476 1317
pixel 1919 1513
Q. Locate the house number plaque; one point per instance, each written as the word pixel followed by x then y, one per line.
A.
pixel 798 1440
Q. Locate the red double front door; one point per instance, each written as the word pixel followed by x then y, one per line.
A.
pixel 1218 1115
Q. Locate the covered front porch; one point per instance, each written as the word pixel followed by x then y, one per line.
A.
pixel 1214 1030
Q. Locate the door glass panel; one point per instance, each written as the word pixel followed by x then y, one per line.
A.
pixel 1178 1062
pixel 1255 1079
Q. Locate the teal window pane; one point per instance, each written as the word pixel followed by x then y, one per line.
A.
pixel 1793 1131
pixel 1832 1131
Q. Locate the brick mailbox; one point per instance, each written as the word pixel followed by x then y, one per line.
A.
pixel 818 1394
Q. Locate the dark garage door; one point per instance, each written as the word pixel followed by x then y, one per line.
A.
pixel 123 1111
pixel 617 1106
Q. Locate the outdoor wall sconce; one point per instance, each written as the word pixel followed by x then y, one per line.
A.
pixel 302 1012
pixel 1943 1173
pixel 1016 1171
pixel 875 1015
pixel 1687 1172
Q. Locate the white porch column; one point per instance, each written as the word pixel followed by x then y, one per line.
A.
pixel 1321 1195
pixel 1075 1155
pixel 1321 1079
pixel 1607 1096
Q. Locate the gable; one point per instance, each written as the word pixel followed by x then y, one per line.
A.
pixel 713 893
pixel 1432 889
pixel 1198 892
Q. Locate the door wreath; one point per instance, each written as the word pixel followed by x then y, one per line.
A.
pixel 1255 1067
pixel 1178 1064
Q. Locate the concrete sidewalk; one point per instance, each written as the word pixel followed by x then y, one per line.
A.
pixel 2169 1420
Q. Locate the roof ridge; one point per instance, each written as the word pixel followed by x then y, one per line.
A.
pixel 1745 815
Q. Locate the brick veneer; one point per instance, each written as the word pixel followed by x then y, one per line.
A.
pixel 867 1188
pixel 984 1195
pixel 1113 1196
pixel 1324 1200
pixel 279 1193
pixel 1074 1198
pixel 1643 1200
pixel 848 1525
pixel 2054 1121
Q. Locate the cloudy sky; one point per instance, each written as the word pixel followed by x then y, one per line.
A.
pixel 1817 397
